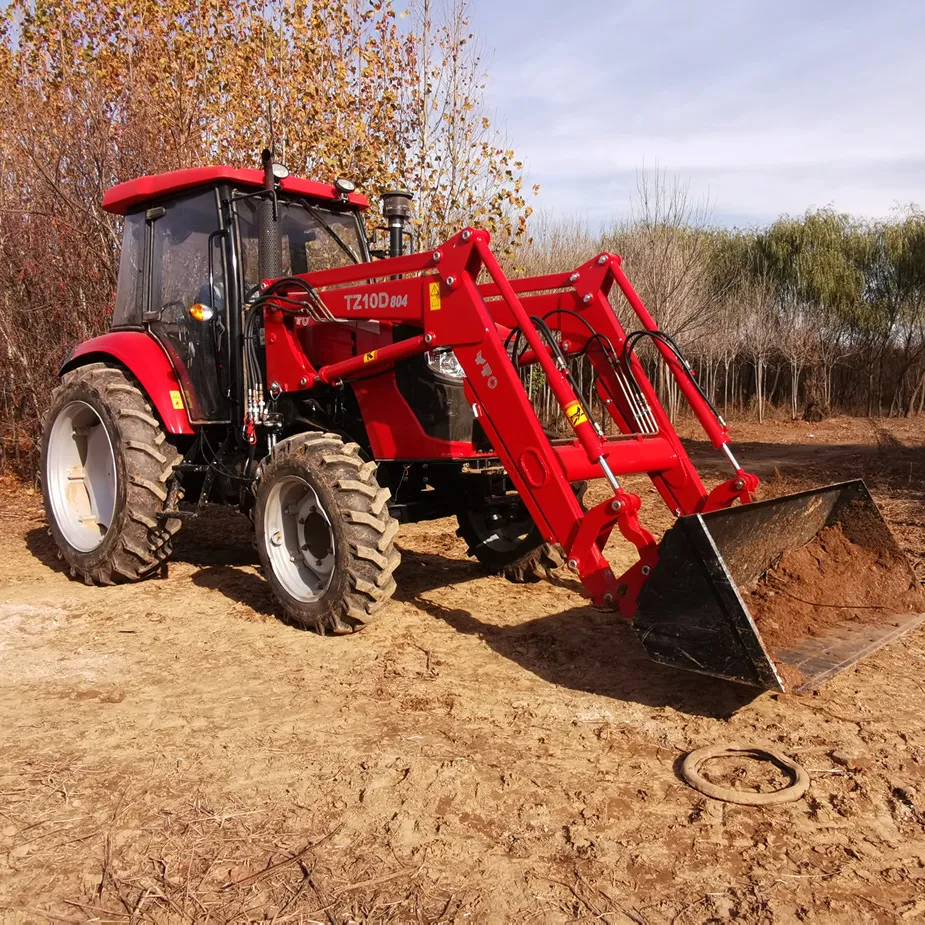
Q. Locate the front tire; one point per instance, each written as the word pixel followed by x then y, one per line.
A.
pixel 324 534
pixel 106 467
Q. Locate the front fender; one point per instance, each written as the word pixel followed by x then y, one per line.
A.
pixel 145 359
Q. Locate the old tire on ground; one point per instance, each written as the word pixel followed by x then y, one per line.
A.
pixel 511 547
pixel 105 471
pixel 324 534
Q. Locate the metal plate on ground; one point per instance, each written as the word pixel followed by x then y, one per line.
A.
pixel 819 657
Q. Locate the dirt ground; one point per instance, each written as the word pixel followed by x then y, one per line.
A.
pixel 487 752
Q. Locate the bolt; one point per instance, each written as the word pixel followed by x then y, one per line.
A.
pixel 277 538
pixel 466 235
pixel 573 278
pixel 601 260
pixel 646 570
pixel 303 382
pixel 435 256
pixel 451 281
pixel 738 484
pixel 428 338
pixel 312 509
pixel 586 299
pixel 318 561
pixel 304 546
pixel 573 565
pixel 616 505
pixel 608 598
pixel 292 558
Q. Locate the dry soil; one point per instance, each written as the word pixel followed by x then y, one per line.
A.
pixel 488 752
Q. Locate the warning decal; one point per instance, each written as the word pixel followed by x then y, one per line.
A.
pixel 369 357
pixel 575 413
pixel 176 399
pixel 435 305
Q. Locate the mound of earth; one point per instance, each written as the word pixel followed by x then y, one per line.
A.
pixel 828 582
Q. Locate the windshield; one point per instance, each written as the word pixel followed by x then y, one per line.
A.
pixel 313 238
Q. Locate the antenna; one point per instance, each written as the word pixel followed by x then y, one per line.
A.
pixel 272 130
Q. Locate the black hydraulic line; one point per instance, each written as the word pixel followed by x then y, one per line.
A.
pixel 629 346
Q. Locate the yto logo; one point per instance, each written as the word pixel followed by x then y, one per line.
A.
pixel 490 379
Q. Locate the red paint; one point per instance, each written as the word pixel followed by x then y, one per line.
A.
pixel 120 199
pixel 145 359
pixel 437 292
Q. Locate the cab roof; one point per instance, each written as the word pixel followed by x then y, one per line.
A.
pixel 124 197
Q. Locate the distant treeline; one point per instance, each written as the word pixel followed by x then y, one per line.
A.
pixel 808 317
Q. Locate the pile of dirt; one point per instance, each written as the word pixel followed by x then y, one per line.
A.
pixel 828 582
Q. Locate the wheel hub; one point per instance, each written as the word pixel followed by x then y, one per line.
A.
pixel 300 539
pixel 80 474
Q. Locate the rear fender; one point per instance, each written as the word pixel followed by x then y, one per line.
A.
pixel 145 359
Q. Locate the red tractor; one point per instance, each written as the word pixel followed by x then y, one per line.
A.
pixel 260 357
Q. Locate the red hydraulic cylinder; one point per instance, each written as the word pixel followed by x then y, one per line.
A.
pixel 624 455
pixel 375 359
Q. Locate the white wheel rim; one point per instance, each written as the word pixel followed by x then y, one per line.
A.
pixel 298 538
pixel 80 474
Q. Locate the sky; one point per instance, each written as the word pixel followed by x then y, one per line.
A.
pixel 763 108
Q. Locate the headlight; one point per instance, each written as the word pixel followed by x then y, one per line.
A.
pixel 443 362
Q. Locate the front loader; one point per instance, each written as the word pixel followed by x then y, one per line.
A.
pixel 261 358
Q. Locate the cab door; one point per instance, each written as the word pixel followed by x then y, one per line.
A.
pixel 185 300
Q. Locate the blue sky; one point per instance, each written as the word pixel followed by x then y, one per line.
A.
pixel 763 107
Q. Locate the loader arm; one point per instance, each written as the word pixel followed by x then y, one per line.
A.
pixel 438 292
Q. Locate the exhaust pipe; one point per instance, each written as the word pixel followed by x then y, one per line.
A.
pixel 396 209
pixel 269 243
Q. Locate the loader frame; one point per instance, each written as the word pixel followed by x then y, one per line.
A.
pixel 556 316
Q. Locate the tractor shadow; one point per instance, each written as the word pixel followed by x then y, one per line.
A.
pixel 42 547
pixel 581 648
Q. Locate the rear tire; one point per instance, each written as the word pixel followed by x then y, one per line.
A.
pixel 513 549
pixel 106 467
pixel 324 534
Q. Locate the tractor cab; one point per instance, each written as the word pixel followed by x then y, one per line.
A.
pixel 190 262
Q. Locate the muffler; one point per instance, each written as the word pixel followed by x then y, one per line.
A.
pixel 779 594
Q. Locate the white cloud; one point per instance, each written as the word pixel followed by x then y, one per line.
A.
pixel 765 108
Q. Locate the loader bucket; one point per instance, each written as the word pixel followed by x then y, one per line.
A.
pixel 819 572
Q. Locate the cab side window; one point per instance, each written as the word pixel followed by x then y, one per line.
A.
pixel 181 257
pixel 181 237
pixel 128 308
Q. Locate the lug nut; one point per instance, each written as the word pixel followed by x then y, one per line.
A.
pixel 277 538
